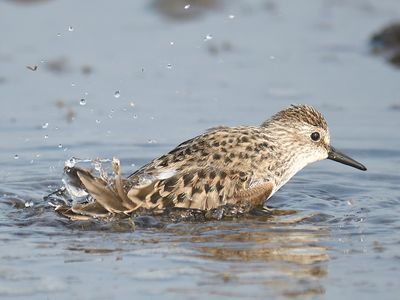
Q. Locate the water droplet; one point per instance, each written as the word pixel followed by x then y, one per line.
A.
pixel 16 156
pixel 82 102
pixel 72 84
pixel 231 17
pixel 97 165
pixel 70 162
pixel 132 104
pixel 272 57
pixel 98 121
pixel 208 37
pixel 169 66
pixel 171 43
pixel 70 28
pixel 187 6
pixel 29 204
pixel 132 165
pixel 117 94
pixel 151 141
pixel 58 34
pixel 46 137
pixel 135 116
pixel 59 145
pixel 45 125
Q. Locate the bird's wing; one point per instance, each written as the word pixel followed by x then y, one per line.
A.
pixel 197 188
pixel 201 188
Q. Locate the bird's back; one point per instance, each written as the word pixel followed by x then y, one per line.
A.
pixel 210 170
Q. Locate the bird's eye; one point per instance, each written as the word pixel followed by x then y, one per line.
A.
pixel 315 136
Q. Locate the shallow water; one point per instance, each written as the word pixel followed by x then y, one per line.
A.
pixel 152 78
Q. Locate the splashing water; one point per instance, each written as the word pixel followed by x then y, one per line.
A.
pixel 72 192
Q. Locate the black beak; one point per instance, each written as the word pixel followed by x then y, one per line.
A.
pixel 344 159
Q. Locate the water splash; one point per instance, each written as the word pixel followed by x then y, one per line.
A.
pixel 72 192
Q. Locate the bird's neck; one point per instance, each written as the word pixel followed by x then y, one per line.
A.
pixel 284 161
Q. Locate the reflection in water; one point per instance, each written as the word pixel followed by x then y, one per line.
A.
pixel 288 259
pixel 279 253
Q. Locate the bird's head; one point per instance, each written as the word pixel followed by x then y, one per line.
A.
pixel 304 130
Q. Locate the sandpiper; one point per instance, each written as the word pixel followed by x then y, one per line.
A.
pixel 223 166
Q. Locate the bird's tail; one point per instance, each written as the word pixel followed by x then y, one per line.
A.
pixel 106 196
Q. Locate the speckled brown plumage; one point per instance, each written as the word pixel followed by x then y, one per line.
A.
pixel 225 165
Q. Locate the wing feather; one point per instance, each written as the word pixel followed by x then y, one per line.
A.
pixel 196 188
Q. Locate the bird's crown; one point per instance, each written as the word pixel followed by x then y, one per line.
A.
pixel 299 113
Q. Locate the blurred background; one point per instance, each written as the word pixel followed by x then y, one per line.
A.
pixel 79 78
pixel 132 79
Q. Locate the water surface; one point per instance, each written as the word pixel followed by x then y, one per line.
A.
pixel 152 76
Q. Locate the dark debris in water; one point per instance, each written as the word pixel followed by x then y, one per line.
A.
pixel 32 68
pixel 95 250
pixel 28 1
pixel 386 43
pixel 215 48
pixel 62 65
pixel 184 10
pixel 69 112
pixel 395 106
